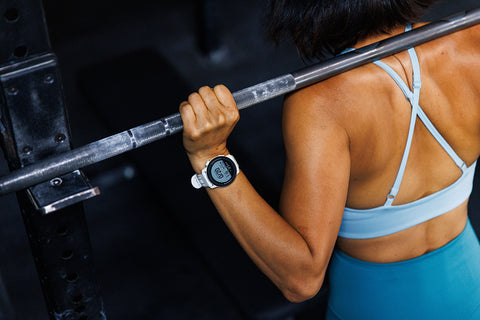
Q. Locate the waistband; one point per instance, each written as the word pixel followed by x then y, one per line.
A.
pixel 465 236
pixel 441 284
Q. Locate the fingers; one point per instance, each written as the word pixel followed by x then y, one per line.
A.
pixel 209 98
pixel 198 108
pixel 209 117
pixel 215 109
pixel 211 107
pixel 187 114
pixel 226 99
pixel 209 110
pixel 224 96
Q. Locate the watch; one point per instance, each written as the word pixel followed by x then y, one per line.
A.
pixel 218 172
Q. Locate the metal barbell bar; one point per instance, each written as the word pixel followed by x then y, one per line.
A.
pixel 147 133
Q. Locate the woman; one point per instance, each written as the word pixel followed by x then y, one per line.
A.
pixel 379 168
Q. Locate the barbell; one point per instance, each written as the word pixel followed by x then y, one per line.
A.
pixel 136 137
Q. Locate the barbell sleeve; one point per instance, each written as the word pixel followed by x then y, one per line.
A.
pixel 136 137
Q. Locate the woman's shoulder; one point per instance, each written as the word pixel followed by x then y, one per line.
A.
pixel 472 35
pixel 455 57
pixel 339 97
pixel 462 42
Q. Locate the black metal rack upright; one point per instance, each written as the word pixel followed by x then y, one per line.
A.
pixel 33 126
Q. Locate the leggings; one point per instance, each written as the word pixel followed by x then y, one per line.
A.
pixel 442 284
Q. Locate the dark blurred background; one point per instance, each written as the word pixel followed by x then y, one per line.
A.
pixel 160 249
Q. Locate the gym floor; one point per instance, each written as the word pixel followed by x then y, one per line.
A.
pixel 160 249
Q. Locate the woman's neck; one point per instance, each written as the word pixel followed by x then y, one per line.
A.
pixel 380 37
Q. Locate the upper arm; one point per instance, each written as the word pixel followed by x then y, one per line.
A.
pixel 317 171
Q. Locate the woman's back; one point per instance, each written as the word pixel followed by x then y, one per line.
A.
pixel 345 145
pixel 450 97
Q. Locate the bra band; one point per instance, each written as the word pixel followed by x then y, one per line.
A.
pixel 389 218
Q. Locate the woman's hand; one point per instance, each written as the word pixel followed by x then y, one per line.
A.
pixel 209 117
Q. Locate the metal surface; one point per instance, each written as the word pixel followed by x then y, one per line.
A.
pixel 384 48
pixel 33 110
pixel 61 192
pixel 22 32
pixel 37 127
pixel 63 258
pixel 153 131
pixel 34 126
pixel 264 91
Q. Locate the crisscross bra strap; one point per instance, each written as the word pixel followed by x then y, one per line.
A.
pixel 448 149
pixel 388 219
pixel 413 97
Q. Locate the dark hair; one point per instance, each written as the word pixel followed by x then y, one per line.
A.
pixel 320 28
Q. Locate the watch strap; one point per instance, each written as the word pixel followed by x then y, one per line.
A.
pixel 199 181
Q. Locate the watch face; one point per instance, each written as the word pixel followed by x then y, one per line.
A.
pixel 221 171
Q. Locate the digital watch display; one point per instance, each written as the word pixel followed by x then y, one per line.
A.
pixel 218 172
pixel 221 171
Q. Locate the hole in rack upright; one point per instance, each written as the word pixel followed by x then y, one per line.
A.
pixel 11 15
pixel 20 52
pixel 67 254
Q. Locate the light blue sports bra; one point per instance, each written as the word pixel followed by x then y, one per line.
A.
pixel 388 219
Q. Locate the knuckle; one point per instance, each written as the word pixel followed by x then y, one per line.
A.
pixel 233 114
pixel 195 135
pixel 208 126
pixel 221 119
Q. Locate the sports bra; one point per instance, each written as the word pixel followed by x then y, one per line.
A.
pixel 388 219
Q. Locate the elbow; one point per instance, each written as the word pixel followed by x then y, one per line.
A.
pixel 303 288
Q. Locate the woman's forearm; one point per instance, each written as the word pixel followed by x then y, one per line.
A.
pixel 292 251
pixel 273 244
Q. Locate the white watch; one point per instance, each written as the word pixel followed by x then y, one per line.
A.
pixel 218 172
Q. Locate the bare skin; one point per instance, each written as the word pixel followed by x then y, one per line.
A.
pixel 344 139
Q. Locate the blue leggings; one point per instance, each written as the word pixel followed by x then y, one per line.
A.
pixel 442 284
